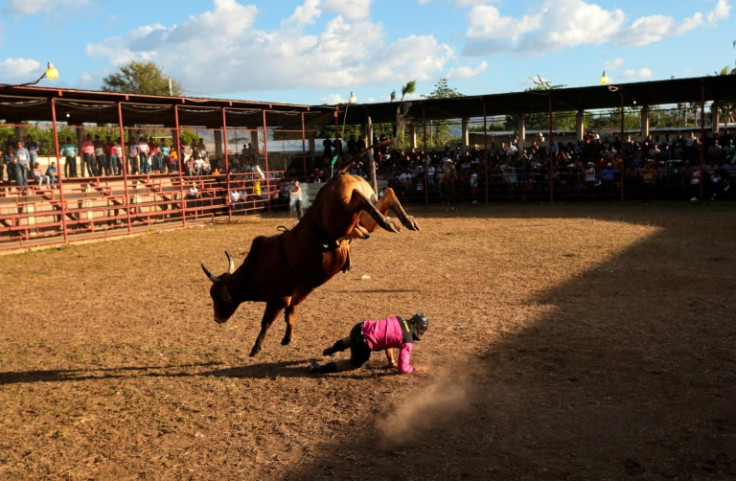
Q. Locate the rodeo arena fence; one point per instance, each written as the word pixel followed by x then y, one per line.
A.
pixel 83 165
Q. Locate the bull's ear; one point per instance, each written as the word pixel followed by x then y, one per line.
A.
pixel 211 276
pixel 230 264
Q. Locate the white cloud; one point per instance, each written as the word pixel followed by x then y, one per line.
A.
pixel 305 14
pixel 561 24
pixel 641 74
pixel 646 30
pixel 614 64
pixel 19 70
pixel 353 10
pixel 32 7
pixel 721 11
pixel 570 23
pixel 467 3
pixel 220 52
pixel 466 71
pixel 486 22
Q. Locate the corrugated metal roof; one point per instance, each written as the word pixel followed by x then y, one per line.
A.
pixel 18 104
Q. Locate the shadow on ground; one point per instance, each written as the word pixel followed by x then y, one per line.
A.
pixel 631 375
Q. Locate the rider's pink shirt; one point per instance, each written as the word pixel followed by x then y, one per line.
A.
pixel 387 334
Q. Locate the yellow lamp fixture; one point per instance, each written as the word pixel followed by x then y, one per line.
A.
pixel 51 72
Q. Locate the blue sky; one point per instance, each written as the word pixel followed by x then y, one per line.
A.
pixel 318 51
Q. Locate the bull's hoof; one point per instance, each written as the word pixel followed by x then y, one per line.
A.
pixel 412 224
pixel 256 349
pixel 285 341
pixel 389 225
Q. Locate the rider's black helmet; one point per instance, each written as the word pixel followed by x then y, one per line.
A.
pixel 420 323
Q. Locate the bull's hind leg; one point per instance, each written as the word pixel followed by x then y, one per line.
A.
pixel 269 315
pixel 389 201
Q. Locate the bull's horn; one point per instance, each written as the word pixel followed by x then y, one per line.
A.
pixel 212 277
pixel 231 264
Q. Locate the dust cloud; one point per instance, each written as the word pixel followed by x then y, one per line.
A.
pixel 429 407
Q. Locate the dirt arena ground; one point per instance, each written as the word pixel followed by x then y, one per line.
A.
pixel 567 342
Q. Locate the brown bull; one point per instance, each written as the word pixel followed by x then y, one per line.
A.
pixel 282 270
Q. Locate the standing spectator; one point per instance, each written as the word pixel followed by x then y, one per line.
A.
pixel 144 152
pixel 327 144
pixel 165 154
pixel 100 156
pixel 22 164
pixel 133 158
pixel 88 155
pixel 33 148
pixel 119 163
pixel 69 151
pixel 295 199
pixel 111 157
pixel 474 187
pixel 11 161
pixel 201 148
pixel 2 165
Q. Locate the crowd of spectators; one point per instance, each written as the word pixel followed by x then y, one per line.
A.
pixel 593 167
pixel 515 170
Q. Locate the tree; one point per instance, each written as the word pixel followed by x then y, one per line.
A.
pixel 439 129
pixel 540 120
pixel 727 110
pixel 141 78
pixel 401 110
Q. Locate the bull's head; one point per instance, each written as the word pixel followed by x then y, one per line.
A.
pixel 223 302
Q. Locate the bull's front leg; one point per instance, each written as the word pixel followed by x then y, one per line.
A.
pixel 269 315
pixel 389 201
pixel 373 217
pixel 290 315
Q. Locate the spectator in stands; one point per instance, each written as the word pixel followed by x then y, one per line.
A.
pixel 9 160
pixel 649 178
pixel 173 160
pixel 189 166
pixel 144 152
pixel 37 174
pixel 165 153
pixel 2 164
pixel 193 195
pixel 33 149
pixel 69 151
pixel 52 174
pixel 133 157
pixel 198 164
pixel 100 156
pixel 248 152
pixel 206 166
pixel 295 199
pixel 474 188
pixel 88 155
pixel 608 177
pixel 113 154
pixel 237 200
pixel 22 164
pixel 201 148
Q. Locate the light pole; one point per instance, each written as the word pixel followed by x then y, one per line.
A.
pixel 351 100
pixel 50 73
pixel 615 88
